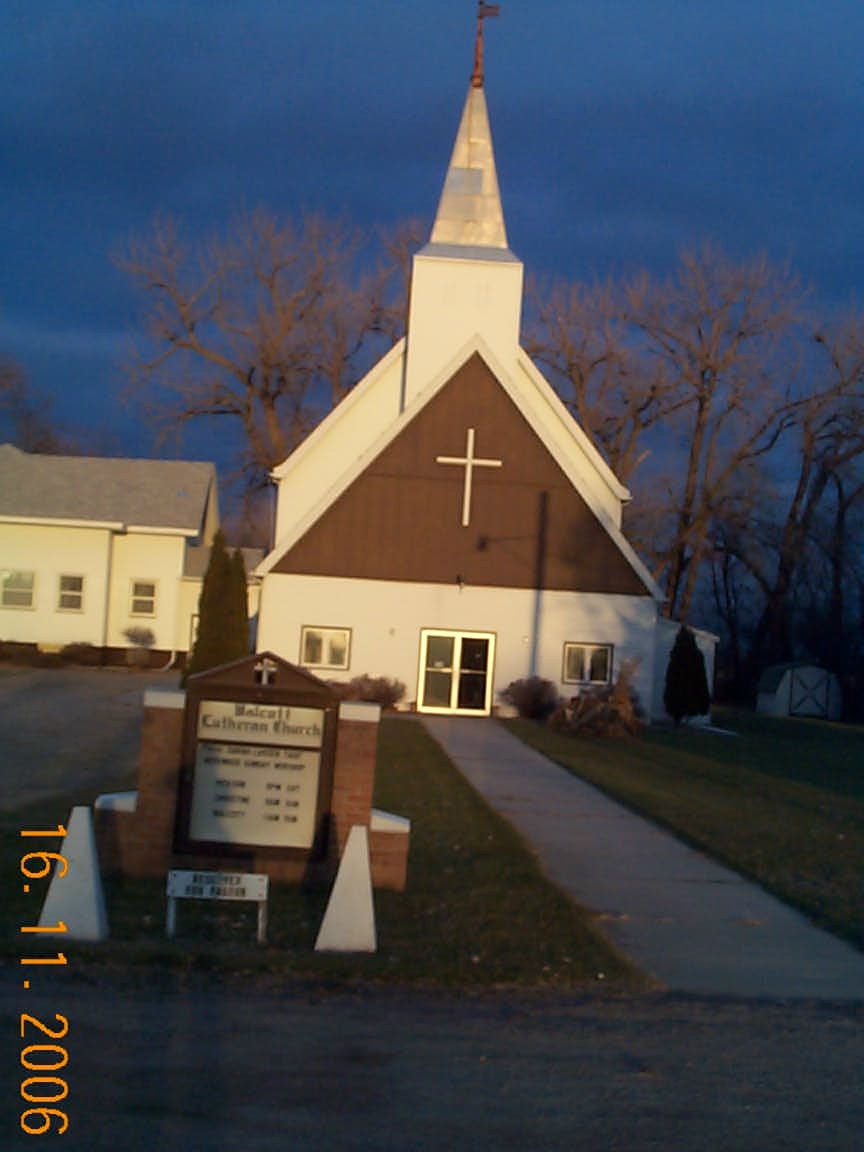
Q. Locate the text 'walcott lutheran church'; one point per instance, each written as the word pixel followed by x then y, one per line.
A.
pixel 449 524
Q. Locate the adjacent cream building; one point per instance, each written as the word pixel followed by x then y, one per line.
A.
pixel 91 547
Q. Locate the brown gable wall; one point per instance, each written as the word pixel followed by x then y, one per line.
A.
pixel 402 518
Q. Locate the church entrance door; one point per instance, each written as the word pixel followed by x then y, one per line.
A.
pixel 456 672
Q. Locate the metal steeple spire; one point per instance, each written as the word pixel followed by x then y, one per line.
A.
pixel 469 212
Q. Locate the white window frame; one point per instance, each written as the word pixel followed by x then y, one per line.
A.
pixel 326 635
pixel 587 649
pixel 69 593
pixel 7 576
pixel 136 596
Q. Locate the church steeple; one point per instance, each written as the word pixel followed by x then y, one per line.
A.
pixel 469 212
pixel 466 284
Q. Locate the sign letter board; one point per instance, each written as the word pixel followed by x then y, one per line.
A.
pixel 258 760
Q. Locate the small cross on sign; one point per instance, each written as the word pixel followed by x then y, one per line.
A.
pixel 265 672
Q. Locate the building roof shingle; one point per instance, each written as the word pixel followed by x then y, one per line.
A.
pixel 166 494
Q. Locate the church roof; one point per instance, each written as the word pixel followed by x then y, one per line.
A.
pixel 555 428
pixel 408 516
pixel 161 495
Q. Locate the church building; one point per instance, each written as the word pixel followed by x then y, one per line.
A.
pixel 449 524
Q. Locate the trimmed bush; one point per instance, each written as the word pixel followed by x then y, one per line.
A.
pixel 533 698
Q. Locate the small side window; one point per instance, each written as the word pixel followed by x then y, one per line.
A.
pixel 587 664
pixel 328 648
pixel 143 598
pixel 71 595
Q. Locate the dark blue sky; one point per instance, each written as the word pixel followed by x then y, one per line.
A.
pixel 623 131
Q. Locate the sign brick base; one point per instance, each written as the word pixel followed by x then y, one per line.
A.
pixel 140 841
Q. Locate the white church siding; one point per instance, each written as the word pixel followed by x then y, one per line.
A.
pixel 307 476
pixel 386 619
pixel 454 298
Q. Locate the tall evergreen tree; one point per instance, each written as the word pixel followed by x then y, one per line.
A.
pixel 239 604
pixel 686 690
pixel 222 633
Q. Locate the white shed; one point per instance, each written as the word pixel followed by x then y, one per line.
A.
pixel 799 690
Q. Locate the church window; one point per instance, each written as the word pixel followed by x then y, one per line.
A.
pixel 16 589
pixel 71 597
pixel 587 663
pixel 143 598
pixel 325 647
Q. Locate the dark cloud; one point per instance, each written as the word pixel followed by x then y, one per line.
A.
pixel 623 131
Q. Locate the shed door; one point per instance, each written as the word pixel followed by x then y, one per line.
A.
pixel 808 692
pixel 456 672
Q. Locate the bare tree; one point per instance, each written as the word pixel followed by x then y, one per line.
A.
pixel 26 415
pixel 581 337
pixel 398 245
pixel 825 481
pixel 691 381
pixel 719 334
pixel 265 329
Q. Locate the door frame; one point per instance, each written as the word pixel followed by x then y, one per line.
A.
pixel 458 635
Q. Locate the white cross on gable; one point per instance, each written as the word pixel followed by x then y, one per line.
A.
pixel 469 462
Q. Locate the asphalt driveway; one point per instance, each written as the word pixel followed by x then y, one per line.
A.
pixel 62 729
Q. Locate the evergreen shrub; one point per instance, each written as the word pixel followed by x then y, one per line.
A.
pixel 223 622
pixel 686 689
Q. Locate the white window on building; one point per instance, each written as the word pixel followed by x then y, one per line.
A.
pixel 587 664
pixel 71 597
pixel 325 648
pixel 143 598
pixel 16 589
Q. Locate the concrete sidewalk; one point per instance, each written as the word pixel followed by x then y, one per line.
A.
pixel 693 924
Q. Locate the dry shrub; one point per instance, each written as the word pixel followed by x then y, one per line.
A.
pixel 611 710
pixel 371 690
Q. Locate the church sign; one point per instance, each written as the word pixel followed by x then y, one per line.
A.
pixel 258 761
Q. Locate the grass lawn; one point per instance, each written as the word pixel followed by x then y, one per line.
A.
pixel 477 911
pixel 781 802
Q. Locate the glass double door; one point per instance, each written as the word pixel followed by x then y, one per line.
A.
pixel 456 672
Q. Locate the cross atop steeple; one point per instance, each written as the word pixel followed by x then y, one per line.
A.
pixel 483 12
